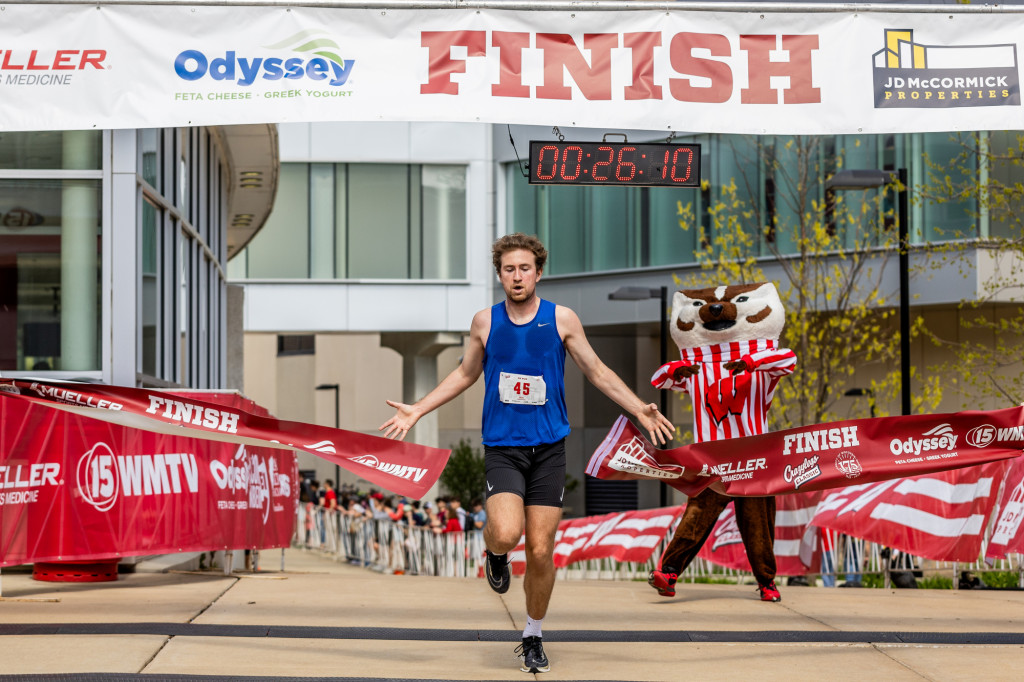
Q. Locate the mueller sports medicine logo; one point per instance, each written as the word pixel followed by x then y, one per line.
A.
pixel 632 458
pixel 911 75
pixel 103 477
pixel 47 67
pixel 317 61
pixel 401 471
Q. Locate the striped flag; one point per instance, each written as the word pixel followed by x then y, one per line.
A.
pixel 1008 531
pixel 625 536
pixel 939 516
pixel 796 550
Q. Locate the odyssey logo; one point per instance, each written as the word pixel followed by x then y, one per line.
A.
pixel 253 475
pixel 942 437
pixel 318 61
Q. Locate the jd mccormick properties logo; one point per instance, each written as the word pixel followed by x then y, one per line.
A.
pixel 909 75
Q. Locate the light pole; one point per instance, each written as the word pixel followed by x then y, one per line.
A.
pixel 337 424
pixel 643 294
pixel 867 179
pixel 858 392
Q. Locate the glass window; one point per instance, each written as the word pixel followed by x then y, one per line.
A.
pixel 49 275
pixel 281 248
pixel 444 222
pixel 150 292
pixel 150 148
pixel 377 221
pixel 51 149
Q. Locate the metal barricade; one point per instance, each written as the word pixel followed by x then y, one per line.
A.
pixel 384 545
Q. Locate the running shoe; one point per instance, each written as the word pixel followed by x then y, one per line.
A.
pixel 769 592
pixel 664 583
pixel 498 576
pixel 532 653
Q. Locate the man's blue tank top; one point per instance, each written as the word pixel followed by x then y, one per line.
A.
pixel 531 349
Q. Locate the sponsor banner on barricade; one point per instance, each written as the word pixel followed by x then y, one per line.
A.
pixel 819 457
pixel 403 468
pixel 630 536
pixel 662 69
pixel 940 516
pixel 74 488
pixel 796 552
pixel 1008 529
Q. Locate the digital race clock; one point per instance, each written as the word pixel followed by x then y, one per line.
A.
pixel 615 163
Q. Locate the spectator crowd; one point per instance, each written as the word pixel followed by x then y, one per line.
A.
pixel 445 514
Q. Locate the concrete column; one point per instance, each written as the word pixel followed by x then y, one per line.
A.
pixel 79 257
pixel 419 352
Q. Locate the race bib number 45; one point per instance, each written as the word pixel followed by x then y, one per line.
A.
pixel 521 389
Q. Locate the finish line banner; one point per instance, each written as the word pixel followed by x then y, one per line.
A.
pixel 65 67
pixel 79 489
pixel 818 457
pixel 403 468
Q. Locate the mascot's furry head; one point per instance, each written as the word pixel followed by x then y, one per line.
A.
pixel 737 312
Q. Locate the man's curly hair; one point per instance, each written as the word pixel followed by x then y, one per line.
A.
pixel 511 242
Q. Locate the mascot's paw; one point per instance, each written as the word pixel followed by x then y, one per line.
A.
pixel 664 583
pixel 672 375
pixel 769 592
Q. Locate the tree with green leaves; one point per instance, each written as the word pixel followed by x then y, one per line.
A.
pixel 465 476
pixel 828 252
pixel 984 349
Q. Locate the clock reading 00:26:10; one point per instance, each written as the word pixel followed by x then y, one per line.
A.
pixel 615 163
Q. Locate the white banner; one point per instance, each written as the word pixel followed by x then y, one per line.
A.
pixel 141 66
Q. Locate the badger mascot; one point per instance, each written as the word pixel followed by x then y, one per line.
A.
pixel 727 338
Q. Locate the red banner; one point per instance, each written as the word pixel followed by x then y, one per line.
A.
pixel 403 468
pixel 796 551
pixel 73 488
pixel 942 516
pixel 817 457
pixel 623 536
pixel 1008 533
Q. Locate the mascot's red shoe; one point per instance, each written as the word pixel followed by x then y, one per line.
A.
pixel 664 583
pixel 769 592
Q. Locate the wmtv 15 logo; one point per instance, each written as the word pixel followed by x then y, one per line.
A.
pixel 102 477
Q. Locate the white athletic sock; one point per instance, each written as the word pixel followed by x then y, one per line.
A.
pixel 532 627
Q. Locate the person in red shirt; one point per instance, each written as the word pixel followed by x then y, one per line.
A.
pixel 330 498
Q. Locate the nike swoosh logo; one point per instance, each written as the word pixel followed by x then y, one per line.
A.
pixel 543 324
pixel 562 495
pixel 489 486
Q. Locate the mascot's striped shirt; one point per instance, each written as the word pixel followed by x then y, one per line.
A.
pixel 725 404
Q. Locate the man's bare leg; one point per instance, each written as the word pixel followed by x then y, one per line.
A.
pixel 504 522
pixel 541 526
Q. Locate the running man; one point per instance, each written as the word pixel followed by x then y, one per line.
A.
pixel 519 346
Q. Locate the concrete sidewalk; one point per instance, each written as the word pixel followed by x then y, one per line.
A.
pixel 322 619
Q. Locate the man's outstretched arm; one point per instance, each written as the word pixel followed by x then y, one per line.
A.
pixel 575 339
pixel 460 378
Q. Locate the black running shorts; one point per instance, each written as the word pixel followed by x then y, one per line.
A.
pixel 534 473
